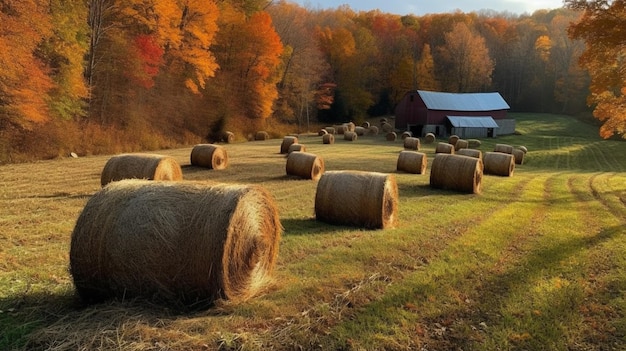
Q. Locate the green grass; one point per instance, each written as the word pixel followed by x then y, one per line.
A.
pixel 535 262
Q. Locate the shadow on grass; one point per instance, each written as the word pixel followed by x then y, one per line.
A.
pixel 311 226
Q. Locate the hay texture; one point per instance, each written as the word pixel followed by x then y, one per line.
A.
pixel 498 163
pixel 177 243
pixel 209 156
pixel 429 138
pixel 518 155
pixel 328 139
pixel 504 148
pixel 412 162
pixel 457 173
pixel 470 152
pixel 411 143
pixel 391 136
pixel 356 198
pixel 296 147
pixel 305 165
pixel 350 136
pixel 261 135
pixel 287 141
pixel 453 139
pixel 444 148
pixel 140 166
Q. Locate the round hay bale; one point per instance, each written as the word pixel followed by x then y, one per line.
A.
pixel 453 139
pixel 504 148
pixel 140 166
pixel 287 141
pixel 383 121
pixel 470 152
pixel 73 155
pixel 296 147
pixel 412 162
pixel 411 143
pixel 331 130
pixel 350 136
pixel 386 127
pixel 356 198
pixel 228 137
pixel 177 243
pixel 523 148
pixel 209 156
pixel 305 165
pixel 461 144
pixel 429 138
pixel 518 154
pixel 406 134
pixel 391 136
pixel 341 129
pixel 456 172
pixel 373 130
pixel 473 143
pixel 366 125
pixel 444 148
pixel 498 163
pixel 360 131
pixel 322 132
pixel 350 126
pixel 328 139
pixel 261 135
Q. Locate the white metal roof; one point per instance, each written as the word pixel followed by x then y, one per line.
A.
pixel 463 101
pixel 472 122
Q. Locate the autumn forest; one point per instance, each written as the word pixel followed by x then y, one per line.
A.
pixel 106 76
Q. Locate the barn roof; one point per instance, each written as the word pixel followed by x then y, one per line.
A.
pixel 472 122
pixel 463 101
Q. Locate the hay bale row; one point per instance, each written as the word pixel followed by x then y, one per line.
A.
pixel 328 139
pixel 429 138
pixel 411 143
pixel 412 162
pixel 444 148
pixel 350 136
pixel 305 165
pixel 498 163
pixel 362 199
pixel 287 141
pixel 209 156
pixel 504 148
pixel 178 243
pixel 261 135
pixel 457 173
pixel 140 166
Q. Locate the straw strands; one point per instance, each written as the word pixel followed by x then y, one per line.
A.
pixel 412 162
pixel 209 156
pixel 444 148
pixel 456 172
pixel 411 143
pixel 178 243
pixel 328 139
pixel 287 141
pixel 356 198
pixel 305 165
pixel 498 163
pixel 504 148
pixel 140 166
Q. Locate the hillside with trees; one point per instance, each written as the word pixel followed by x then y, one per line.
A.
pixel 107 76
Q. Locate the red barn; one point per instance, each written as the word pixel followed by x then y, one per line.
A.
pixel 468 115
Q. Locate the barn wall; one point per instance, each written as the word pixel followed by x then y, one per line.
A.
pixel 507 126
pixel 472 133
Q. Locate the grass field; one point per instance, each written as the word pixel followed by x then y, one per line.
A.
pixel 535 262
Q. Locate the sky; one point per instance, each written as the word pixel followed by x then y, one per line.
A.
pixel 422 7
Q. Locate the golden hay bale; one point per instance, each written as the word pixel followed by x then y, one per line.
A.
pixel 360 131
pixel 261 135
pixel 473 143
pixel 331 130
pixel 328 139
pixel 498 163
pixel 366 125
pixel 386 127
pixel 412 162
pixel 350 136
pixel 296 147
pixel 209 156
pixel 453 139
pixel 461 144
pixel 322 132
pixel 470 152
pixel 504 148
pixel 182 243
pixel 518 154
pixel 305 165
pixel 406 134
pixel 523 148
pixel 411 143
pixel 429 138
pixel 391 136
pixel 456 172
pixel 140 166
pixel 444 148
pixel 363 199
pixel 287 141
pixel 228 137
pixel 373 130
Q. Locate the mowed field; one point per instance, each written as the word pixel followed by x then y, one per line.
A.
pixel 537 261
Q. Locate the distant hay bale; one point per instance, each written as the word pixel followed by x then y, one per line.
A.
pixel 328 139
pixel 473 143
pixel 331 130
pixel 350 126
pixel 341 129
pixel 383 121
pixel 411 143
pixel 322 132
pixel 429 138
pixel 140 166
pixel 391 136
pixel 228 137
pixel 498 163
pixel 373 130
pixel 470 152
pixel 296 147
pixel 350 136
pixel 360 131
pixel 261 135
pixel 386 127
pixel 209 156
pixel 444 148
pixel 461 144
pixel 356 198
pixel 366 125
pixel 453 139
pixel 305 165
pixel 406 134
pixel 457 173
pixel 178 243
pixel 523 148
pixel 412 162
pixel 518 154
pixel 287 141
pixel 504 148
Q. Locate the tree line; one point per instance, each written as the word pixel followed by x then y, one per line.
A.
pixel 103 76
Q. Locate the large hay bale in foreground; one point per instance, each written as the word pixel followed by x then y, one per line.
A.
pixel 391 136
pixel 498 163
pixel 429 138
pixel 518 155
pixel 287 141
pixel 296 147
pixel 444 148
pixel 209 156
pixel 261 135
pixel 140 166
pixel 305 165
pixel 456 172
pixel 504 148
pixel 412 162
pixel 362 199
pixel 328 139
pixel 350 136
pixel 461 144
pixel 411 143
pixel 177 243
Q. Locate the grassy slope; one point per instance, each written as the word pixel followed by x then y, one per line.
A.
pixel 534 262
